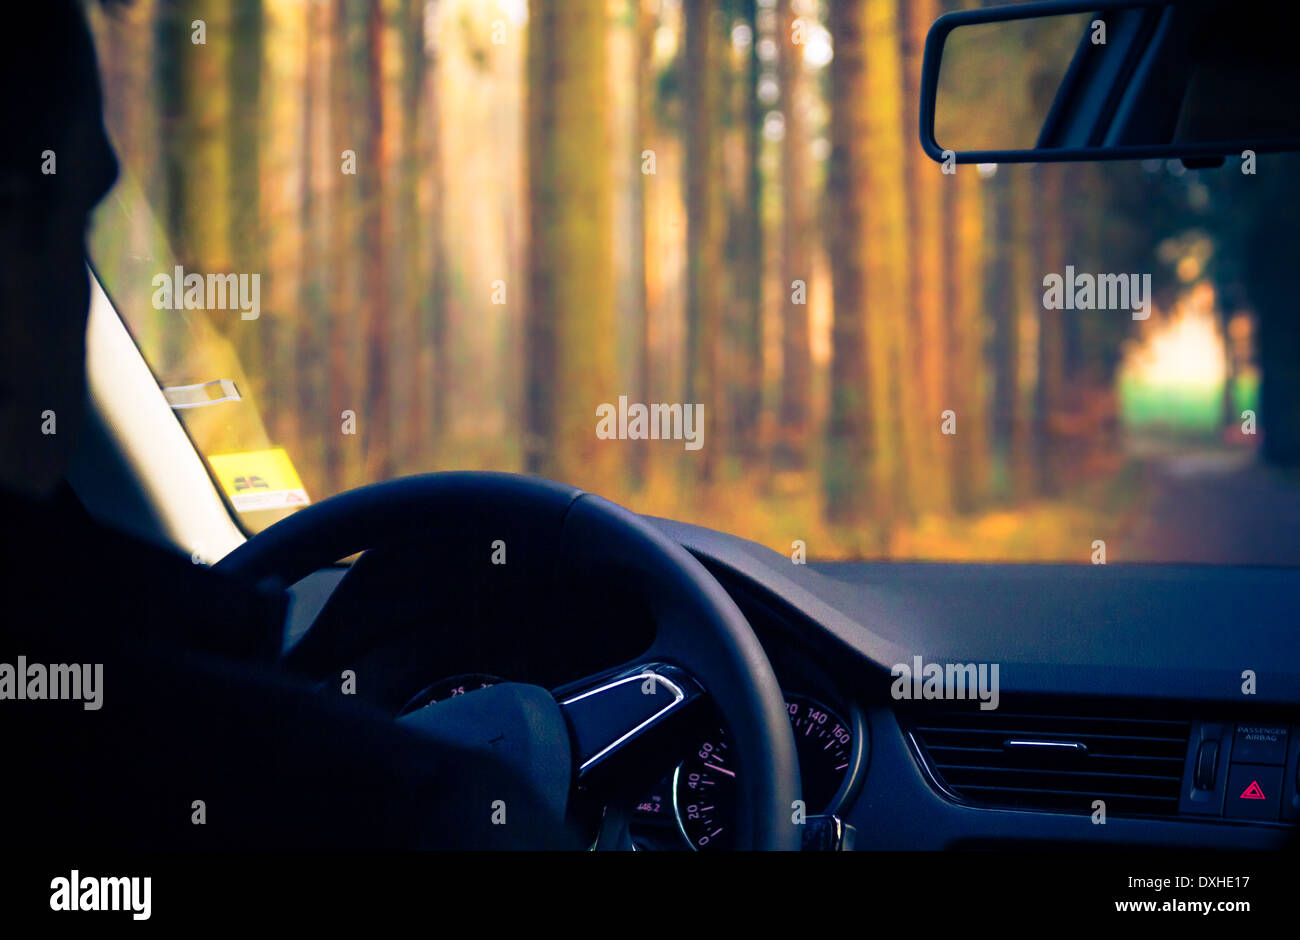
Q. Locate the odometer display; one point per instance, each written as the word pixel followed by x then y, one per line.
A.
pixel 704 787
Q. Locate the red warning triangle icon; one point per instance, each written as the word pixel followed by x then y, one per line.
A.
pixel 1253 792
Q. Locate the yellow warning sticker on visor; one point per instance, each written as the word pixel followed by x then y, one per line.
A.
pixel 259 479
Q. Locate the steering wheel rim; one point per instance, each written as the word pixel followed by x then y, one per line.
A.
pixel 698 626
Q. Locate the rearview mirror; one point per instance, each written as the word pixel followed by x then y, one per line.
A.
pixel 1137 79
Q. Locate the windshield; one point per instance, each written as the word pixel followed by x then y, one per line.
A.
pixel 691 257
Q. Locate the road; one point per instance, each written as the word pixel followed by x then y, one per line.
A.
pixel 1215 507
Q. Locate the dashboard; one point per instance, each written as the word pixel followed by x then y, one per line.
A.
pixel 1142 706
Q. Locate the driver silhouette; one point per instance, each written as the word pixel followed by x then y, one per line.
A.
pixel 140 702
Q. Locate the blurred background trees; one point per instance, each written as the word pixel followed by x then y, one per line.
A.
pixel 477 221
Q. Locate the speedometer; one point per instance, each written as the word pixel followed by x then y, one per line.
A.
pixel 704 786
pixel 704 796
pixel 824 742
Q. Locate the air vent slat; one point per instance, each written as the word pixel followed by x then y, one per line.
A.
pixel 1133 764
pixel 1077 773
pixel 1061 720
pixel 1091 794
pixel 1011 732
pixel 996 750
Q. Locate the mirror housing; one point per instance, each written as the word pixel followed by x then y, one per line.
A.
pixel 1169 79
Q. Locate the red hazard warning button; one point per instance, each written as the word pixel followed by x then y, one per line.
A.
pixel 1254 791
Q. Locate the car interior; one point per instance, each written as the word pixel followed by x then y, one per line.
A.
pixel 669 686
pixel 709 684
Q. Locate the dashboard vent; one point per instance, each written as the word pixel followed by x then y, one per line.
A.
pixel 1058 763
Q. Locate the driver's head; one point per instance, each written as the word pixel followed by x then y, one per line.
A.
pixel 55 164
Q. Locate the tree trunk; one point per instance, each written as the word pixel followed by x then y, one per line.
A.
pixel 569 327
pixel 860 462
pixel 435 340
pixel 749 267
pixel 647 22
pixel 344 335
pixel 246 140
pixel 195 90
pixel 1269 259
pixel 796 253
pixel 411 260
pixel 966 347
pixel 314 280
pixel 1049 392
pixel 1004 307
pixel 374 160
pixel 702 70
pixel 929 270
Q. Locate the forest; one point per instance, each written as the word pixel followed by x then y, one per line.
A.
pixel 477 223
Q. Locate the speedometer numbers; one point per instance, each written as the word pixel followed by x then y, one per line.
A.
pixel 704 795
pixel 824 743
pixel 704 786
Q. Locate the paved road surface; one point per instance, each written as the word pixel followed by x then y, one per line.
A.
pixel 1218 507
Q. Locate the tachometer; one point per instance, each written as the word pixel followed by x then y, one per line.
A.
pixel 704 786
pixel 451 686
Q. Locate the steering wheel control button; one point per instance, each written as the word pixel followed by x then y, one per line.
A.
pixel 611 715
pixel 1254 792
pixel 1260 744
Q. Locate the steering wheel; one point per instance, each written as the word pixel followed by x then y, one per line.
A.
pixel 571 736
